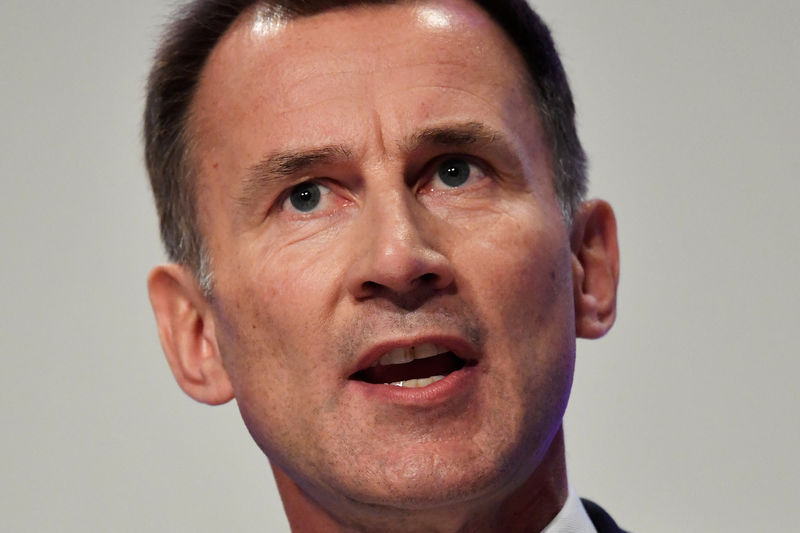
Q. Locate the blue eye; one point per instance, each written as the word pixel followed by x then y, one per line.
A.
pixel 454 172
pixel 306 196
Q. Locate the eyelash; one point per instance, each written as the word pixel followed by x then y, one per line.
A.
pixel 433 168
pixel 285 197
pixel 428 176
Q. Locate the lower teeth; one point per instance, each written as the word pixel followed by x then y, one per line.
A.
pixel 417 383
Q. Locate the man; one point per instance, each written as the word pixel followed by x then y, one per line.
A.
pixel 380 249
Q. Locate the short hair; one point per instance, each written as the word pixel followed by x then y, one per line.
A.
pixel 199 25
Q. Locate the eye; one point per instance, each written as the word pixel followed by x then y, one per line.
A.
pixel 455 172
pixel 306 197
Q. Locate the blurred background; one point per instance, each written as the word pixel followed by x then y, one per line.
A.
pixel 684 418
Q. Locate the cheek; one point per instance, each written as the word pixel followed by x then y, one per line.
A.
pixel 521 280
pixel 279 291
pixel 274 360
pixel 521 269
pixel 270 316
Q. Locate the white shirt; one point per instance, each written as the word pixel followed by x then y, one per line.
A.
pixel 572 518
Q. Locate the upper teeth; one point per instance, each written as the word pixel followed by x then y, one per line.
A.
pixel 399 356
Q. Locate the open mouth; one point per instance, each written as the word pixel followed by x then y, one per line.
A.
pixel 412 367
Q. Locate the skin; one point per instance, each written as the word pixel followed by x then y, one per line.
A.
pixel 389 257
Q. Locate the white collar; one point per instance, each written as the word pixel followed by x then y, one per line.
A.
pixel 572 518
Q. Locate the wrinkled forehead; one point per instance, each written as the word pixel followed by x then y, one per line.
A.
pixel 272 60
pixel 291 39
pixel 271 21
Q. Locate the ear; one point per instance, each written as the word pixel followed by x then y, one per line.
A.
pixel 186 328
pixel 595 268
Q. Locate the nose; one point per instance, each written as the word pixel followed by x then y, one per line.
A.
pixel 395 257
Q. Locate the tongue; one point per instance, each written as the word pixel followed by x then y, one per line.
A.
pixel 439 365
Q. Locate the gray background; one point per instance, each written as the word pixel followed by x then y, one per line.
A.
pixel 685 418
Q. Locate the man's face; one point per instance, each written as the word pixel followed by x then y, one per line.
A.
pixel 372 180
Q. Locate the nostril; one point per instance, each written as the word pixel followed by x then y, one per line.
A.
pixel 429 278
pixel 370 286
pixel 426 279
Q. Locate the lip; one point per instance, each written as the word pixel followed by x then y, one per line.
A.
pixel 457 345
pixel 425 396
pixel 452 386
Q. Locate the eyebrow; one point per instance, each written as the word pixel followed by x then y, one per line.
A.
pixel 479 137
pixel 456 134
pixel 282 165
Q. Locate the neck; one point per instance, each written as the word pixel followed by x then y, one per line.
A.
pixel 526 507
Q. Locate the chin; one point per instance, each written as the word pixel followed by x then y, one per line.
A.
pixel 437 477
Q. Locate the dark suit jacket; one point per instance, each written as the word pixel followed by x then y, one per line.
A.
pixel 601 520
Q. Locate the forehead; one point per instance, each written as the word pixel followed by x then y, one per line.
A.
pixel 346 30
pixel 266 65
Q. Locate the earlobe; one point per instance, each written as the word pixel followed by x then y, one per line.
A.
pixel 595 269
pixel 186 330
